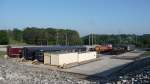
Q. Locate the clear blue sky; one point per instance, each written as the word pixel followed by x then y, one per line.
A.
pixel 85 16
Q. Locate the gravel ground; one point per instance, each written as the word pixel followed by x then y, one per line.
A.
pixel 13 73
pixel 141 76
pixel 137 72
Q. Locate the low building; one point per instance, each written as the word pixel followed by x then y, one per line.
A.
pixel 60 59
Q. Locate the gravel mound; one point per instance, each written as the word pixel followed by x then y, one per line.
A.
pixel 14 73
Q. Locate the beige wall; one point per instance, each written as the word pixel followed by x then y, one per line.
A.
pixel 86 56
pixel 67 58
pixel 47 58
pixel 54 59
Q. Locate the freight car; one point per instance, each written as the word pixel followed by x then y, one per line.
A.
pixel 117 50
pixel 37 52
pixel 130 47
pixel 14 51
pixel 122 48
pixel 147 49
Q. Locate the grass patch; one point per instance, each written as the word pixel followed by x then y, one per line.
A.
pixel 2 53
pixel 147 53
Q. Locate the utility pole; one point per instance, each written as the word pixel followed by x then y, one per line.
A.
pixel 57 38
pixel 120 40
pixel 95 39
pixel 89 40
pixel 136 39
pixel 92 38
pixel 47 42
pixel 66 39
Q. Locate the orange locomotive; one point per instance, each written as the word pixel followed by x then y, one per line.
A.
pixel 103 48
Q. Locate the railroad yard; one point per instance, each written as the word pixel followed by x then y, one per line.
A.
pixel 125 68
pixel 74 42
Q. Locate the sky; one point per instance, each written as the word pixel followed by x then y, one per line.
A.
pixel 85 16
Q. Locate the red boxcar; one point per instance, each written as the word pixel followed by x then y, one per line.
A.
pixel 14 52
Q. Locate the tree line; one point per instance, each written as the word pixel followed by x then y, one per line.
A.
pixel 138 40
pixel 40 36
pixel 52 36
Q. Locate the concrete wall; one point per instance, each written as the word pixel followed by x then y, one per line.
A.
pixel 54 59
pixel 47 58
pixel 67 58
pixel 86 56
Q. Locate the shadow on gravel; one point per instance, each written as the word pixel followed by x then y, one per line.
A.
pixel 113 73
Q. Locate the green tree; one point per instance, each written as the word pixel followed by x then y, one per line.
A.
pixel 3 37
pixel 17 34
pixel 52 36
